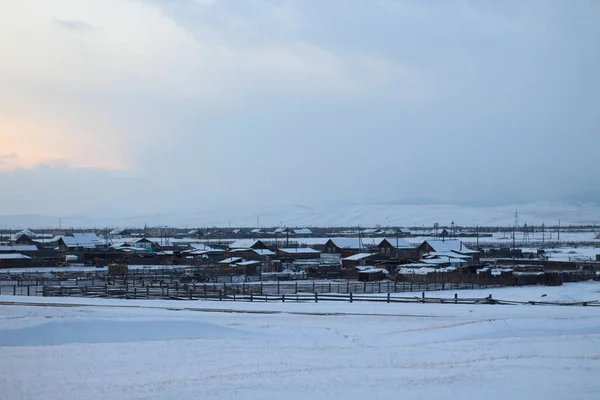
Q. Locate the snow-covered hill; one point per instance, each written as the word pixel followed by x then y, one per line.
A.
pixel 384 214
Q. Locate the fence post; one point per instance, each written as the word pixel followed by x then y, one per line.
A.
pixel 350 297
pixel 278 291
pixel 395 282
pixel 251 296
pixel 314 287
pixel 388 297
pixel 423 297
pixel 316 297
pixel 348 287
pixel 296 287
pixel 283 298
pixel 220 294
pixel 455 298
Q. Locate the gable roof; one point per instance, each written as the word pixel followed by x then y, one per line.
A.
pixel 26 232
pixel 299 250
pixel 356 243
pixel 231 260
pixel 357 257
pixel 456 246
pixel 245 244
pixel 88 240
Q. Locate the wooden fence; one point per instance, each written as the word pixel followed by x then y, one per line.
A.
pixel 124 287
pixel 298 297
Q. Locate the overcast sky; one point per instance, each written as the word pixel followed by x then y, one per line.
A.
pixel 142 106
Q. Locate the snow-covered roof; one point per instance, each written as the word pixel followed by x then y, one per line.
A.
pixel 14 256
pixel 264 252
pixel 88 240
pixel 450 254
pixel 247 263
pixel 299 250
pixel 126 248
pixel 371 269
pixel 231 260
pixel 118 231
pixel 399 243
pixel 18 248
pixel 423 270
pixel 357 257
pixel 355 243
pixel 203 247
pixel 303 231
pixel 456 246
pixel 243 244
pixel 27 232
pixel 438 261
pixel 370 231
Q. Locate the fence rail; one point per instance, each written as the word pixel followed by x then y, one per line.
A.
pixel 122 292
pixel 161 289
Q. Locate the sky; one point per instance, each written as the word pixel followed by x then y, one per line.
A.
pixel 155 106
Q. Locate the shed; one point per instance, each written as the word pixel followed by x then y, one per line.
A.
pixel 370 274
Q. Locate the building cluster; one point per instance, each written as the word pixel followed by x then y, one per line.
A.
pixel 284 250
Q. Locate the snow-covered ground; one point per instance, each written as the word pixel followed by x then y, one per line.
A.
pixel 122 349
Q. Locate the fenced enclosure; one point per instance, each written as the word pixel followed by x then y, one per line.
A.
pixel 179 283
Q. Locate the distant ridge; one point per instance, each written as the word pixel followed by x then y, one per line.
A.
pixel 569 213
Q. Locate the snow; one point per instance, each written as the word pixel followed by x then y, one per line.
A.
pixel 18 248
pixel 122 349
pixel 338 213
pixel 357 257
pixel 14 256
pixel 299 250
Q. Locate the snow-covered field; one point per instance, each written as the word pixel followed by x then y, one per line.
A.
pixel 122 349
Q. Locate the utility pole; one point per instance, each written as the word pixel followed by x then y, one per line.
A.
pixel 543 234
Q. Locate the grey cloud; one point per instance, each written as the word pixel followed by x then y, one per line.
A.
pixel 492 114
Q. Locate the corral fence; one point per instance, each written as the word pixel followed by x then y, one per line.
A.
pixel 126 289
pixel 177 284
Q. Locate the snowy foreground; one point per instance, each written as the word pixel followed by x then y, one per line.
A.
pixel 122 349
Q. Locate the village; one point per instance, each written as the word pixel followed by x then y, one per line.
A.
pixel 440 256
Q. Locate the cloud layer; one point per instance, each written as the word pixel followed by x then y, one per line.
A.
pixel 154 106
